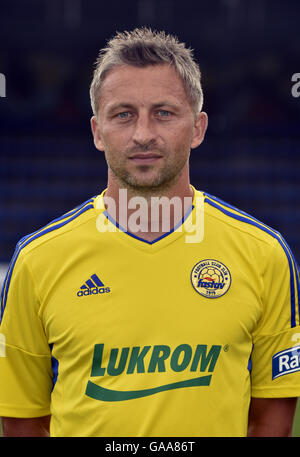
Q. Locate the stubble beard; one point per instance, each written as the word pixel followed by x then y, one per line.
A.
pixel 136 184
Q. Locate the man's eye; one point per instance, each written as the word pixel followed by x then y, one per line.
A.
pixel 164 113
pixel 124 115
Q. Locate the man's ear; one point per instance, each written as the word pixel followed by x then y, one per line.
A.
pixel 200 127
pixel 96 134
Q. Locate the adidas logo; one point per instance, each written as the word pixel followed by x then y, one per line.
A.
pixel 93 286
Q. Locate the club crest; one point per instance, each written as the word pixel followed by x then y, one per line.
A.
pixel 210 278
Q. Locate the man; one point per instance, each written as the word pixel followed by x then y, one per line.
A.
pixel 117 323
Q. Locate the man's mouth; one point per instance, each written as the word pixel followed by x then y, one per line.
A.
pixel 145 158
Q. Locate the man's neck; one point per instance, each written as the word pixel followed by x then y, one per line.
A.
pixel 149 215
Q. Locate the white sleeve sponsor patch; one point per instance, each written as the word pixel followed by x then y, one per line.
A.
pixel 285 362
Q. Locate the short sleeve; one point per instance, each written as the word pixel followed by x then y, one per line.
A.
pixel 25 358
pixel 275 363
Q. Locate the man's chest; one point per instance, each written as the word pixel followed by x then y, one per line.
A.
pixel 202 296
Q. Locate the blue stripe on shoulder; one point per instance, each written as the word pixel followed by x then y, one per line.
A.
pixel 244 217
pixel 64 216
pixel 65 219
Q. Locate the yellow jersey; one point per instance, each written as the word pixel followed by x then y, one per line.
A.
pixel 116 336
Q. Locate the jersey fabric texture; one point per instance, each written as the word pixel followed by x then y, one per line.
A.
pixel 116 336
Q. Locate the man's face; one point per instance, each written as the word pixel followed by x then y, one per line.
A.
pixel 146 126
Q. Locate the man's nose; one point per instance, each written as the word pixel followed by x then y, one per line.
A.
pixel 144 132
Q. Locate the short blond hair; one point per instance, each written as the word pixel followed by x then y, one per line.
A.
pixel 142 47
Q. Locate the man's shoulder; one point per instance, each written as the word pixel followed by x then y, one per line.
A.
pixel 65 224
pixel 240 221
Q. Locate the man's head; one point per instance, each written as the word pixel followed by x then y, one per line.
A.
pixel 141 48
pixel 147 100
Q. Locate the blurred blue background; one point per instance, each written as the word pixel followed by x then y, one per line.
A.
pixel 247 51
